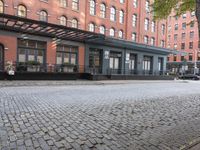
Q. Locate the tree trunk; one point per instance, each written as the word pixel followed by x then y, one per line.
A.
pixel 198 15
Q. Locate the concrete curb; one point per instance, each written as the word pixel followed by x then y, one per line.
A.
pixel 191 144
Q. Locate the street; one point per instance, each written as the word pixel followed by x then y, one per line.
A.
pixel 126 116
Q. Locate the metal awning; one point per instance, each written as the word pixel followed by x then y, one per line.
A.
pixel 129 45
pixel 34 27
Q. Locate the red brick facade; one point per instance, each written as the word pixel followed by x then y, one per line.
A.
pixel 183 36
pixel 122 24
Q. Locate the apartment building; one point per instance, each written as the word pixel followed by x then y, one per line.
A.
pixel 183 36
pixel 96 36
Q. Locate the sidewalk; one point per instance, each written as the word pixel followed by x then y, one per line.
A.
pixel 79 82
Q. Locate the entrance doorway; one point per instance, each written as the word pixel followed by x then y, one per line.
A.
pixel 95 61
pixel 1 58
pixel 115 62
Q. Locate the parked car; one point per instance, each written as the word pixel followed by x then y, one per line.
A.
pixel 189 77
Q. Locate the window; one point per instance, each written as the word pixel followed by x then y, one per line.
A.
pixel 135 3
pixel 63 3
pixel 182 46
pixel 176 27
pixel 102 29
pixel 190 56
pixel 182 58
pixel 147 63
pixel 103 10
pixel 175 57
pixel 191 45
pixel 192 24
pixel 175 46
pixel 91 27
pixel 30 50
pixel 132 62
pixel 63 21
pixel 74 23
pixel 147 7
pixel 169 38
pixel 122 1
pixel 153 27
pixel 146 39
pixel 162 43
pixel 134 20
pixel 43 16
pixel 146 24
pixel 92 7
pixel 184 26
pixel 1 6
pixel 134 37
pixel 163 29
pixel 75 4
pixel 120 34
pixel 21 11
pixel 112 14
pixel 112 32
pixel 169 28
pixel 153 41
pixel 121 16
pixel 183 36
pixel 191 34
pixel 192 13
pixel 175 37
pixel 66 55
pixel 184 16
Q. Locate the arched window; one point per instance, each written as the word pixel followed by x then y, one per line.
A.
pixel 147 6
pixel 102 29
pixel 21 11
pixel 63 3
pixel 153 41
pixel 43 16
pixel 103 10
pixel 146 24
pixel 153 27
pixel 121 16
pixel 1 6
pixel 146 39
pixel 63 21
pixel 112 14
pixel 91 27
pixel 92 7
pixel 120 34
pixel 74 23
pixel 134 20
pixel 112 32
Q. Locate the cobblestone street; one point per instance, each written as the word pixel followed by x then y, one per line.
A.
pixel 134 116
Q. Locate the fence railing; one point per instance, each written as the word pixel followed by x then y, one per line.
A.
pixel 69 68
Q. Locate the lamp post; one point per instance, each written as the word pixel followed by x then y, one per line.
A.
pixel 195 61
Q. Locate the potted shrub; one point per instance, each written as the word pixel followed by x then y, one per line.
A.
pixel 33 66
pixel 21 66
pixel 67 67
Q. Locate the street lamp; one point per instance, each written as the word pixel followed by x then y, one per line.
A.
pixel 195 61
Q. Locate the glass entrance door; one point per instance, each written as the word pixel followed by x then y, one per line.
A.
pixel 1 58
pixel 115 63
pixel 95 61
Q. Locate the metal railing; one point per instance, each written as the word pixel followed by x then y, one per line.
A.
pixel 69 68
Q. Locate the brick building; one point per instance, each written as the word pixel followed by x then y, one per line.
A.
pixel 96 36
pixel 183 36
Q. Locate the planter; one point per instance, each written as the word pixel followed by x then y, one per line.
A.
pixel 68 69
pixel 33 68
